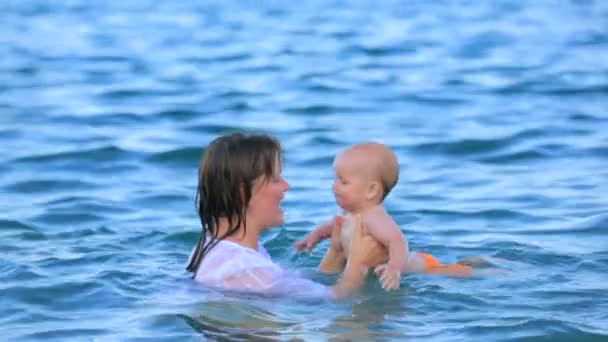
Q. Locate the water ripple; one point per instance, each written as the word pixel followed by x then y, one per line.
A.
pixel 496 112
pixel 47 186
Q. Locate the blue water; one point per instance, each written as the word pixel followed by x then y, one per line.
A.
pixel 498 112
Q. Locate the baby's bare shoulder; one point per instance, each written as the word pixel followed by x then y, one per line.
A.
pixel 378 217
pixel 383 227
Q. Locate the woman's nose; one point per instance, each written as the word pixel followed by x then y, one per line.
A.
pixel 285 185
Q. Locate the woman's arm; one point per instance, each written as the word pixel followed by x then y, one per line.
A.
pixel 384 229
pixel 277 282
pixel 365 252
pixel 268 278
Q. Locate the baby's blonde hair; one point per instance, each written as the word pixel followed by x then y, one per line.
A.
pixel 383 161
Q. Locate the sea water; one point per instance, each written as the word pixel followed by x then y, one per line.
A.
pixel 496 110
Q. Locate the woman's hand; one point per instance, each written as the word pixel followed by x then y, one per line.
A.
pixel 365 251
pixel 390 276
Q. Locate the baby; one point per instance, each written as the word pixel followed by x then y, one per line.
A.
pixel 364 175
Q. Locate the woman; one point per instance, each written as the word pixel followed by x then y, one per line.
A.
pixel 240 188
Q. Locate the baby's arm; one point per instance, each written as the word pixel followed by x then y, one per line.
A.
pixel 384 229
pixel 320 233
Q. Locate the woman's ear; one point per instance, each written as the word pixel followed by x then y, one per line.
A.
pixel 373 190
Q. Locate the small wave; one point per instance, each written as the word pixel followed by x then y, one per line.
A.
pixel 260 69
pixel 324 141
pixel 118 276
pixel 162 198
pixel 19 231
pixel 61 295
pixel 380 51
pixel 220 331
pixel 584 117
pixel 593 225
pixel 117 94
pixel 100 58
pixel 28 236
pixel 188 237
pixel 145 238
pixel 515 157
pixel 86 232
pixel 239 316
pixel 533 255
pixel 9 134
pixel 72 218
pixel 16 226
pixel 84 256
pixel 322 110
pixel 328 88
pixel 441 100
pixel 215 129
pixel 589 38
pixel 598 151
pixel 601 89
pixel 231 94
pixel 313 75
pixel 18 273
pixel 66 333
pixel 481 44
pixel 596 224
pixel 490 214
pixel 224 57
pixel 566 295
pixel 314 161
pixel 131 94
pixel 112 119
pixel 553 84
pixel 465 146
pixel 599 265
pixel 185 157
pixel 180 115
pixel 86 204
pixel 535 330
pixel 105 153
pixel 49 186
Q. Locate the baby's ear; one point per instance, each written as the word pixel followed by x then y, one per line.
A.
pixel 373 190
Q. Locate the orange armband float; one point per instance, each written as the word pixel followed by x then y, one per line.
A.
pixel 433 266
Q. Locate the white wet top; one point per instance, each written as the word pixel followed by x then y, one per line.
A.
pixel 230 266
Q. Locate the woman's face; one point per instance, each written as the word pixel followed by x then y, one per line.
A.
pixel 264 209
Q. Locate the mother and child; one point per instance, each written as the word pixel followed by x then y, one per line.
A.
pixel 239 192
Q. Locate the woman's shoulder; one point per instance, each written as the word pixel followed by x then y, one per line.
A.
pixel 230 266
pixel 228 258
pixel 232 251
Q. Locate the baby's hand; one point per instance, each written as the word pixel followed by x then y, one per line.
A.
pixel 390 276
pixel 307 243
pixel 322 232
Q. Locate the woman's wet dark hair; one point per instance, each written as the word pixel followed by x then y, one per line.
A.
pixel 228 169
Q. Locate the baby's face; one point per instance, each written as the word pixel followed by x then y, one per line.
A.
pixel 351 181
